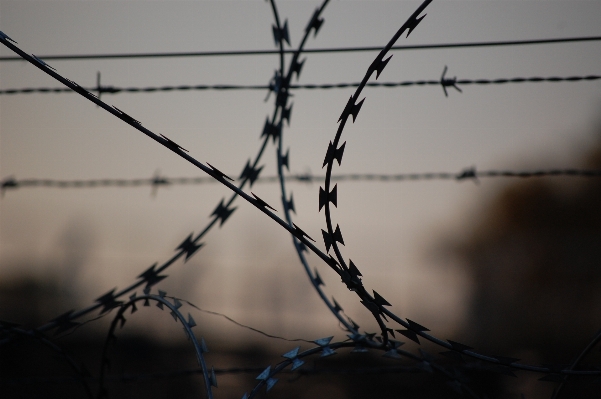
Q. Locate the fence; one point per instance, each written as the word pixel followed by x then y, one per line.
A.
pixel 118 304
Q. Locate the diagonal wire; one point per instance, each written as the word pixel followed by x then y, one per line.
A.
pixel 317 50
pixel 240 324
pixel 321 86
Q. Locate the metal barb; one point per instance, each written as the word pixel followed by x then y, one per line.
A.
pixel 448 82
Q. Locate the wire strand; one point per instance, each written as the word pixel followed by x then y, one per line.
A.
pixel 324 86
pixel 466 174
pixel 72 57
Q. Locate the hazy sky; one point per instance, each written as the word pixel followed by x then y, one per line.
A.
pixel 391 230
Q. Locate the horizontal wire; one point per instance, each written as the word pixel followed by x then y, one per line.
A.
pixel 470 173
pixel 445 83
pixel 317 50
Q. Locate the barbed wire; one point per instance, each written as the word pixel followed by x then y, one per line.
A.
pixel 161 302
pixel 224 209
pixel 317 50
pixel 443 82
pixel 349 274
pixel 189 246
pixel 11 183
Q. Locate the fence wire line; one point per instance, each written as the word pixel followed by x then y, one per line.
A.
pixel 469 173
pixel 238 323
pixel 317 50
pixel 444 82
pixel 377 301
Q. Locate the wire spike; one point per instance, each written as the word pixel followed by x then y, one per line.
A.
pixel 468 173
pixel 317 279
pixel 290 204
pixel 300 234
pixel 270 383
pixel 172 145
pixel 296 363
pixel 203 345
pixel 331 197
pixel 412 23
pixel 189 246
pixel 286 113
pixel 122 321
pixel 151 276
pixel 315 23
pixel 41 62
pixel 323 341
pixel 285 159
pixel 281 100
pixel 297 67
pixel 327 239
pixel 379 300
pixel 281 34
pixel 337 307
pixel 191 322
pixel 4 37
pixel 108 301
pixel 351 109
pixel 213 378
pixel 409 334
pixel 222 212
pixel 129 119
pixel 250 173
pixel 271 130
pixel 64 322
pixel 353 269
pixel 264 374
pixel 219 175
pixel 448 82
pixel 174 315
pixel 262 203
pixel 381 64
pixel 334 153
pixel 330 239
pixel 291 354
pixel 416 327
pixel 327 351
pixel 459 347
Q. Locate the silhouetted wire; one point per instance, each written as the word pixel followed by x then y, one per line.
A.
pixel 12 183
pixel 323 86
pixel 317 50
pixel 240 324
pixel 370 301
pixel 191 244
